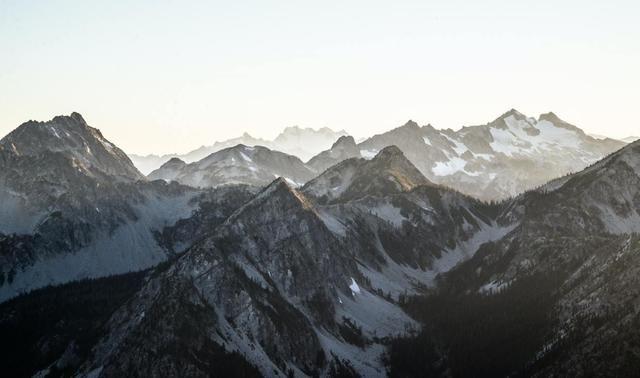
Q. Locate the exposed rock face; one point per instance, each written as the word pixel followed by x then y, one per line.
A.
pixel 236 165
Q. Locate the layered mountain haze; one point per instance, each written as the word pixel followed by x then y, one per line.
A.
pixel 371 259
pixel 306 142
pixel 301 142
pixel 414 225
pixel 236 165
pixel 499 160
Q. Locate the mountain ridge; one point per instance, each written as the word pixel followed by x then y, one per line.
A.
pixel 239 164
pixel 73 206
pixel 486 161
pixel 287 141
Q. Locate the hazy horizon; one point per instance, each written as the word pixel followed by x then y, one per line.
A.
pixel 271 137
pixel 168 77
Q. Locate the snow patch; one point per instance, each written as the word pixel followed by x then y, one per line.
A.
pixel 458 147
pixel 450 167
pixel 355 289
pixel 515 140
pixel 492 287
pixel 368 154
pixel 245 157
pixel 55 132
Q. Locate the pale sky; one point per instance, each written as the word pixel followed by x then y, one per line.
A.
pixel 169 76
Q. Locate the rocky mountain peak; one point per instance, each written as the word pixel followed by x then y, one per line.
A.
pixel 74 119
pixel 344 141
pixel 344 148
pixel 77 117
pixel 391 162
pixel 71 137
pixel 280 188
pixel 278 197
pixel 513 112
pixel 390 152
pixel 239 164
pixel 551 117
pixel 500 122
pixel 556 121
pixel 174 162
pixel 388 172
pixel 411 124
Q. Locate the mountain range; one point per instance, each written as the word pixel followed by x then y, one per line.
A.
pixel 495 161
pixel 556 296
pixel 301 142
pixel 371 259
pixel 235 165
pixel 72 206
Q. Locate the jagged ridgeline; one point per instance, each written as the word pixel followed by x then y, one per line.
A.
pixel 73 206
pixel 494 161
pixel 360 262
